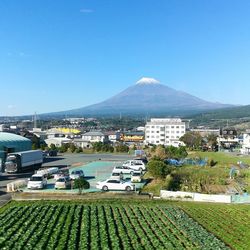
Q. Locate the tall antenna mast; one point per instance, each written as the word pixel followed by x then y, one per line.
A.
pixel 35 121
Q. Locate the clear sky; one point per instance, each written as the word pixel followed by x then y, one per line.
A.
pixel 60 54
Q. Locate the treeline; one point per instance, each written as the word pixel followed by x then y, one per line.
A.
pixel 96 147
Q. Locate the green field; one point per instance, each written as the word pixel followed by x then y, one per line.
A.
pixel 123 225
pixel 228 222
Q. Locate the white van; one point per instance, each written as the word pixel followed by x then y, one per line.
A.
pixel 135 164
pixel 37 181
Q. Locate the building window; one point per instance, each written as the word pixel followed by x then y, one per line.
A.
pixel 167 136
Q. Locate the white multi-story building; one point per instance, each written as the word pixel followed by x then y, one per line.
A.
pixel 165 131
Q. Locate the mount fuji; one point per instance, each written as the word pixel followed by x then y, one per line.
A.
pixel 148 95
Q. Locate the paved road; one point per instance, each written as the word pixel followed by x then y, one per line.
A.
pixel 75 159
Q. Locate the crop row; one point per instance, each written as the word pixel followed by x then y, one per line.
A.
pixel 96 226
pixel 229 224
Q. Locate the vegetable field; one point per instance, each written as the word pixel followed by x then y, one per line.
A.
pixel 99 225
pixel 230 223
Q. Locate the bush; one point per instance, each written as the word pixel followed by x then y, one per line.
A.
pixel 158 169
pixel 81 184
pixel 212 163
pixel 122 148
pixel 78 150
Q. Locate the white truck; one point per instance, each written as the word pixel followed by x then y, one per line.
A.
pixel 20 161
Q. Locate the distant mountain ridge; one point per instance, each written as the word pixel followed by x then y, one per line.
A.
pixel 148 96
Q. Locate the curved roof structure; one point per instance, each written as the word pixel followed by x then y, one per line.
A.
pixel 9 137
pixel 13 143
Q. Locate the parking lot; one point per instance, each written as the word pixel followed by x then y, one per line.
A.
pixel 96 167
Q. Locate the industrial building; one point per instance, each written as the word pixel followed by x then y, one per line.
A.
pixel 10 143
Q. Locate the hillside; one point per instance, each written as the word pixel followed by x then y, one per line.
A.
pixel 148 96
pixel 221 117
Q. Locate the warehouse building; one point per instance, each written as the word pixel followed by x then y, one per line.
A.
pixel 10 143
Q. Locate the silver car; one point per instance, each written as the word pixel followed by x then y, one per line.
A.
pixel 76 174
pixel 63 183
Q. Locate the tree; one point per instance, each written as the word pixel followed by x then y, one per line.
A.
pixel 122 148
pixel 63 148
pixel 52 146
pixel 158 169
pixel 176 152
pixel 72 148
pixel 212 140
pixel 193 140
pixel 97 146
pixel 78 150
pixel 160 152
pixel 81 184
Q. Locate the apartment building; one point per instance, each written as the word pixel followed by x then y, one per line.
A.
pixel 165 131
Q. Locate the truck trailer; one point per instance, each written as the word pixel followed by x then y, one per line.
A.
pixel 25 160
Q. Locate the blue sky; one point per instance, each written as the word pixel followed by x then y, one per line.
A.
pixel 58 55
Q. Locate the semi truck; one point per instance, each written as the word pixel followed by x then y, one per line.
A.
pixel 25 160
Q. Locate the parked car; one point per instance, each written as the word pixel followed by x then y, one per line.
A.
pixel 75 174
pixel 116 176
pixel 52 153
pixel 63 183
pixel 123 170
pixel 48 172
pixel 111 184
pixel 61 173
pixel 136 176
pixel 37 181
pixel 135 164
pixel 144 160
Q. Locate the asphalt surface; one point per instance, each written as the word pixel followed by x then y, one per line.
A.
pixel 64 160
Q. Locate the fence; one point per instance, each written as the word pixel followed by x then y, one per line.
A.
pixel 189 196
pixel 245 198
pixel 15 185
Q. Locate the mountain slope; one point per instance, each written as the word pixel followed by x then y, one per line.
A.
pixel 148 96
